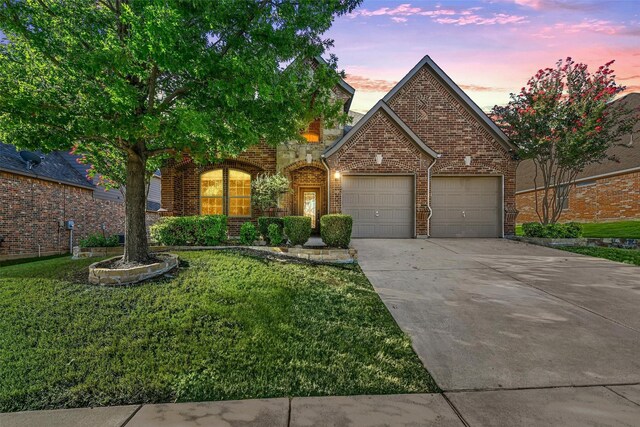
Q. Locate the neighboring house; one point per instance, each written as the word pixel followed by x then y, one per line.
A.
pixel 607 191
pixel 37 201
pixel 425 160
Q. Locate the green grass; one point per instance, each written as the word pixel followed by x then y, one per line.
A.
pixel 628 256
pixel 227 326
pixel 618 229
pixel 9 262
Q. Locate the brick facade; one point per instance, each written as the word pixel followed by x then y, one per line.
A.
pixel 611 198
pixel 181 181
pixel 305 175
pixel 33 210
pixel 380 135
pixel 444 123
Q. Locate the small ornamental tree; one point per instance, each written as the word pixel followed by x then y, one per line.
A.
pixel 129 83
pixel 563 121
pixel 266 190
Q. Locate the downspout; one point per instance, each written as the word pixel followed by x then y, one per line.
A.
pixel 326 166
pixel 429 195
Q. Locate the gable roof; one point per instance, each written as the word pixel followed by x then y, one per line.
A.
pixel 627 154
pixel 350 90
pixel 459 93
pixel 54 167
pixel 380 105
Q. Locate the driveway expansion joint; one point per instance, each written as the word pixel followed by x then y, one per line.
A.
pixel 622 396
pixel 133 414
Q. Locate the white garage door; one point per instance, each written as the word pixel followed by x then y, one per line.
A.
pixel 466 206
pixel 382 206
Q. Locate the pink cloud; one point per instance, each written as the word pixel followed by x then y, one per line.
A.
pixel 370 85
pixel 479 88
pixel 555 4
pixel 468 16
pixel 471 19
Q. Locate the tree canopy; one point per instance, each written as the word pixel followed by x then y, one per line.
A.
pixel 130 82
pixel 563 121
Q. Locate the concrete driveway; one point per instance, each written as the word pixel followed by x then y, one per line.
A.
pixel 492 314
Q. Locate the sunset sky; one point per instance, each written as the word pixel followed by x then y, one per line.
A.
pixel 489 48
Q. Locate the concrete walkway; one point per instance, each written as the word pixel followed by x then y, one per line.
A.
pixel 583 406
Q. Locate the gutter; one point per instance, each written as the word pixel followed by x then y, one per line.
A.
pixel 429 194
pixel 326 166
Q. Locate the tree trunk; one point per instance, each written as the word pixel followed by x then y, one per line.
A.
pixel 136 247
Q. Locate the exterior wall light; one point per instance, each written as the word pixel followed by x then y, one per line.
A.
pixel 379 159
pixel 337 175
pixel 467 160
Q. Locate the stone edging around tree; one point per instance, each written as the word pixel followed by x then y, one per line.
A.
pixel 128 276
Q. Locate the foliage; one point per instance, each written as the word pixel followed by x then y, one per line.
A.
pixel 226 327
pixel 99 240
pixel 563 122
pixel 130 83
pixel 335 230
pixel 570 230
pixel 199 230
pixel 297 229
pixel 276 236
pixel 627 256
pixel 263 225
pixel 614 229
pixel 266 190
pixel 248 233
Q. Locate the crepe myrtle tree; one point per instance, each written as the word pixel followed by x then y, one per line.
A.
pixel 563 121
pixel 129 83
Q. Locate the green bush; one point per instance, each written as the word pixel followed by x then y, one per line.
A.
pixel 297 229
pixel 98 240
pixel 569 230
pixel 275 234
pixel 263 225
pixel 335 230
pixel 202 230
pixel 248 233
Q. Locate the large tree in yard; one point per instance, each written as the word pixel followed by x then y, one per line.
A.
pixel 128 83
pixel 563 121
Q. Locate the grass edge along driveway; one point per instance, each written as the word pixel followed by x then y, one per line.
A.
pixel 227 326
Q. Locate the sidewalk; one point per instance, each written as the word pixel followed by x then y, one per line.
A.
pixel 566 406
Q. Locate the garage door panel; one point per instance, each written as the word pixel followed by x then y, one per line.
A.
pixel 466 207
pixel 381 206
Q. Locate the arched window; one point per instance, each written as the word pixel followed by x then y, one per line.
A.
pixel 239 193
pixel 225 191
pixel 312 133
pixel 212 193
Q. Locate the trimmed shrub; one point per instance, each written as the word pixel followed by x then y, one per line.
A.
pixel 248 233
pixel 275 234
pixel 335 230
pixel 569 230
pixel 263 225
pixel 201 230
pixel 297 229
pixel 98 240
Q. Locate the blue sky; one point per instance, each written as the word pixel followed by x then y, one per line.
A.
pixel 490 48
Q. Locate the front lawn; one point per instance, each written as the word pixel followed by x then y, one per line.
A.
pixel 628 256
pixel 618 229
pixel 227 326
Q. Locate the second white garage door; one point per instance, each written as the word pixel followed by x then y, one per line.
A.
pixel 466 206
pixel 382 206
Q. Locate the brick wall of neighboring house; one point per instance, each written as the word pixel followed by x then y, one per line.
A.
pixel 32 209
pixel 380 135
pixel 181 182
pixel 606 199
pixel 429 108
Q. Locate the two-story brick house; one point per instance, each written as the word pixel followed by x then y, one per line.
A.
pixel 424 161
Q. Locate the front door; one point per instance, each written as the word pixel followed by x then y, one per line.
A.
pixel 309 204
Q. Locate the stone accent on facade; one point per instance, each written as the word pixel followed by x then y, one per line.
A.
pixel 33 213
pixel 380 135
pixel 612 198
pixel 446 125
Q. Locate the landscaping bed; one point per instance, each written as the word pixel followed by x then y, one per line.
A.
pixel 627 256
pixel 617 229
pixel 224 326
